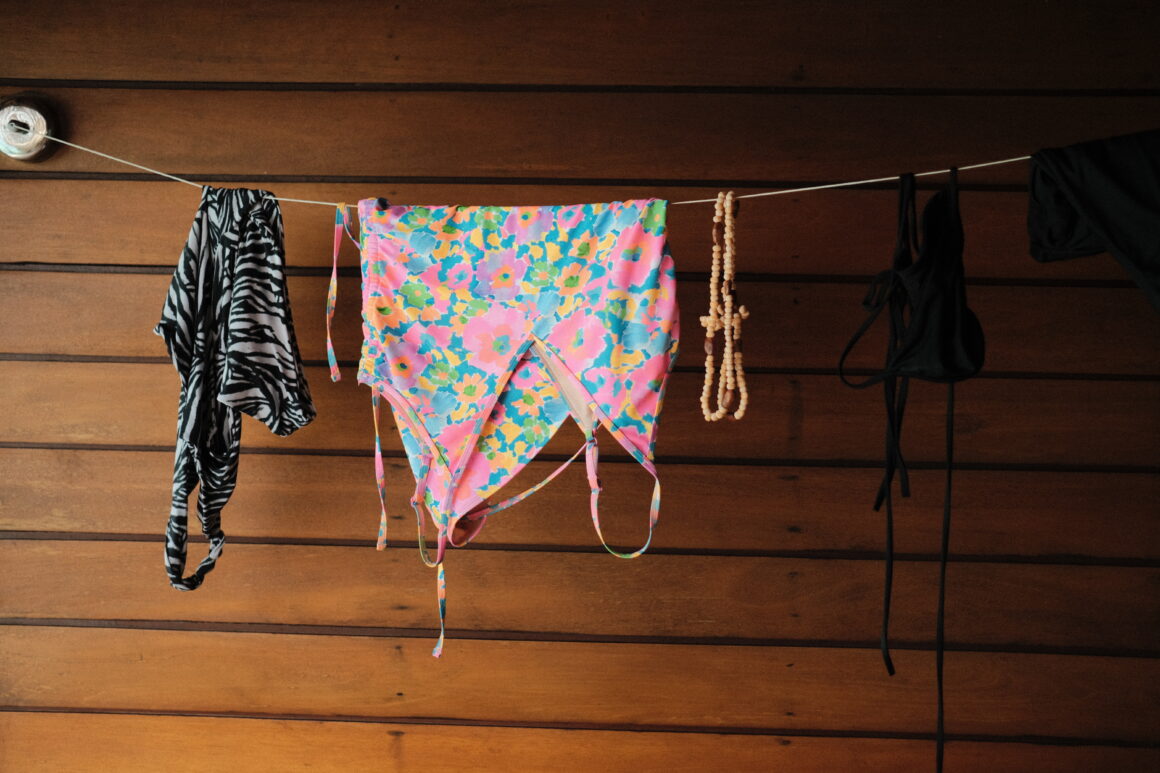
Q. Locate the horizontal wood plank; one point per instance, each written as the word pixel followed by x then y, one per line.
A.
pixel 671 685
pixel 791 417
pixel 124 222
pixel 570 135
pixel 147 744
pixel 825 44
pixel 790 326
pixel 593 595
pixel 1042 515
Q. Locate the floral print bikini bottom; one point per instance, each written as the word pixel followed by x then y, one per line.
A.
pixel 484 328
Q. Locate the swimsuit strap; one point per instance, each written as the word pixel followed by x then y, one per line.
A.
pixel 906 239
pixel 416 503
pixel 380 477
pixel 421 476
pixel 187 472
pixel 944 550
pixel 175 536
pixel 944 545
pixel 332 298
pixel 341 223
pixel 440 575
pixel 886 288
pixel 441 592
pixel 953 195
pixel 483 512
pixel 882 289
pixel 888 292
pixel 591 457
pixel 895 390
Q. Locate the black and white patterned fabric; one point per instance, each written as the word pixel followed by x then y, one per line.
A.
pixel 230 334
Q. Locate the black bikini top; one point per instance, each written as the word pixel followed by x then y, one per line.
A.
pixel 933 335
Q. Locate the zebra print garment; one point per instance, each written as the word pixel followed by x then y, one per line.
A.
pixel 228 329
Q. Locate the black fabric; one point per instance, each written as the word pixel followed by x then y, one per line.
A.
pixel 933 336
pixel 1100 196
pixel 228 328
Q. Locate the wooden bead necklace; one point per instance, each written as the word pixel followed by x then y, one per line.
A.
pixel 722 316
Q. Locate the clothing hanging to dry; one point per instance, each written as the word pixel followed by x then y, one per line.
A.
pixel 1100 196
pixel 229 331
pixel 932 336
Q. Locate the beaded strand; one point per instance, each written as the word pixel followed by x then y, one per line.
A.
pixel 722 317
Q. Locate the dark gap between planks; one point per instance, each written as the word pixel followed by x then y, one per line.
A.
pixel 1040 740
pixel 567 88
pixel 559 637
pixel 514 547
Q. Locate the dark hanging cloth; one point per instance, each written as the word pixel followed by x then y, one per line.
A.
pixel 228 329
pixel 933 336
pixel 1100 196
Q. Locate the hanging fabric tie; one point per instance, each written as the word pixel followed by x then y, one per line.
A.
pixel 341 225
pixel 724 315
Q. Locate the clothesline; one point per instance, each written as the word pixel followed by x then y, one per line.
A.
pixel 780 192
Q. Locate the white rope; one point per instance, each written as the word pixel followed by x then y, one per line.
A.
pixel 674 203
pixel 122 161
pixel 310 201
pixel 173 177
pixel 855 182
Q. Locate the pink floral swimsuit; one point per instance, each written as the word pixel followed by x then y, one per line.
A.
pixel 484 328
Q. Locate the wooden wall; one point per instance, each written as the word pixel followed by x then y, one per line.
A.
pixel 746 639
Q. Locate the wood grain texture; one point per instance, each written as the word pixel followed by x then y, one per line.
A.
pixel 593 595
pixel 786 509
pixel 779 688
pixel 825 44
pixel 146 743
pixel 800 417
pixel 141 223
pixel 606 136
pixel 1053 569
pixel 791 325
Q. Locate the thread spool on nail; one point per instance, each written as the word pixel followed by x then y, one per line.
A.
pixel 26 123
